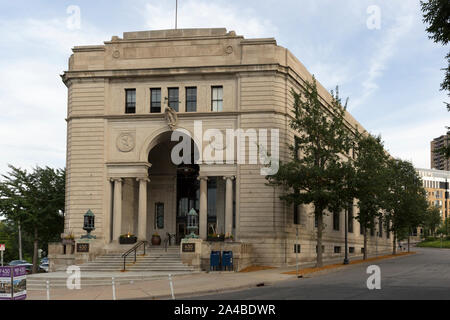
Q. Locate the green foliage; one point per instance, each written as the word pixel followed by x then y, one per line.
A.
pixel 406 198
pixel 36 199
pixel 432 219
pixel 370 181
pixel 436 14
pixel 315 174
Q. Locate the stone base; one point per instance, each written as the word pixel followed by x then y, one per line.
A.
pixel 200 258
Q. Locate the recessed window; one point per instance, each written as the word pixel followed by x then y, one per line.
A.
pixel 155 105
pixel 336 217
pixel 130 101
pixel 297 248
pixel 362 250
pixel 350 218
pixel 174 98
pixel 217 99
pixel 159 215
pixel 351 249
pixel 337 249
pixel 191 99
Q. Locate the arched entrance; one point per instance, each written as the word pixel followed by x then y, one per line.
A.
pixel 174 189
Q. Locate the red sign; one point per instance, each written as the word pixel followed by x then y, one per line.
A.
pixel 2 247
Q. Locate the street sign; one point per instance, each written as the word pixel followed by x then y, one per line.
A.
pixel 2 247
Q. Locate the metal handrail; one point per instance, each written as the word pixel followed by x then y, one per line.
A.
pixel 169 236
pixel 134 249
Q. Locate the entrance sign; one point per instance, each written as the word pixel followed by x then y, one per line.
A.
pixel 83 247
pixel 13 283
pixel 188 247
pixel 2 247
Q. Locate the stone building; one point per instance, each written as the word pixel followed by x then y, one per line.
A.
pixel 127 96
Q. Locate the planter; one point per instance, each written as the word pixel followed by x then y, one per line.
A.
pixel 127 240
pixel 68 242
pixel 156 241
pixel 216 239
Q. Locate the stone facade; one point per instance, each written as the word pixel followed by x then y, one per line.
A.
pixel 118 164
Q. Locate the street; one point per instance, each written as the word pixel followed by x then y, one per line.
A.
pixel 425 275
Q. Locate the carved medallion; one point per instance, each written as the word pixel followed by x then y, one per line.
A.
pixel 125 142
pixel 116 54
pixel 171 118
pixel 229 50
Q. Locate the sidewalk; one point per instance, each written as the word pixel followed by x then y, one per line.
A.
pixel 190 285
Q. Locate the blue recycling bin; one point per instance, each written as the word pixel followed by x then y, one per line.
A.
pixel 215 261
pixel 227 260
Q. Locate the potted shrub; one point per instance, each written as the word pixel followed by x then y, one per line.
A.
pixel 229 238
pixel 156 240
pixel 128 239
pixel 68 239
pixel 216 237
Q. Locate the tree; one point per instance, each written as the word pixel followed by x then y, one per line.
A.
pixel 370 182
pixel 313 175
pixel 436 14
pixel 432 220
pixel 406 202
pixel 36 199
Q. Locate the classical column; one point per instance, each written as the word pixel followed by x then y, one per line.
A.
pixel 203 215
pixel 229 205
pixel 142 220
pixel 117 213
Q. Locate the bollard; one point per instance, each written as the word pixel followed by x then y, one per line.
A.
pixel 171 287
pixel 114 288
pixel 48 290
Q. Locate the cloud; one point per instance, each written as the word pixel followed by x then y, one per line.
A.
pixel 33 100
pixel 385 50
pixel 208 14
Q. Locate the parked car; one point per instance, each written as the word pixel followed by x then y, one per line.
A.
pixel 44 260
pixel 43 267
pixel 17 263
pixel 28 266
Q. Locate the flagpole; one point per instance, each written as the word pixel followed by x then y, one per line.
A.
pixel 176 15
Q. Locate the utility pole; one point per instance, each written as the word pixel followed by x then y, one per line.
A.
pixel 20 242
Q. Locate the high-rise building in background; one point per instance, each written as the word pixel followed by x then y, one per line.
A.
pixel 438 160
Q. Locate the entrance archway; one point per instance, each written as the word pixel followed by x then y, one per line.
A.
pixel 173 191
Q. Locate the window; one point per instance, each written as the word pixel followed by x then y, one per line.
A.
pixel 159 216
pixel 351 249
pixel 296 219
pixel 297 248
pixel 380 227
pixel 350 218
pixel 217 99
pixel 337 249
pixel 174 98
pixel 191 99
pixel 336 217
pixel 130 101
pixel 362 250
pixel 155 105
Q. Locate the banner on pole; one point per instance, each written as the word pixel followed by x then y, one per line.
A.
pixel 13 283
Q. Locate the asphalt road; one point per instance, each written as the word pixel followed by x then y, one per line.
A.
pixel 425 275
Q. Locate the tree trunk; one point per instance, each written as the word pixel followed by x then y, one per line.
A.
pixel 35 251
pixel 394 246
pixel 409 241
pixel 365 244
pixel 319 262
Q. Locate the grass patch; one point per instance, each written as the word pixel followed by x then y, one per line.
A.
pixel 434 244
pixel 256 268
pixel 340 265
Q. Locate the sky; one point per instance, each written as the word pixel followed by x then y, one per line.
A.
pixel 376 51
